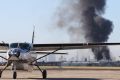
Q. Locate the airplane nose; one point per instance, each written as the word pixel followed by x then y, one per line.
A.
pixel 17 54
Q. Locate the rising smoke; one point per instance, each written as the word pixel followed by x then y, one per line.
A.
pixel 84 18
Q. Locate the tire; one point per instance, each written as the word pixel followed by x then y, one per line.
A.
pixel 0 74
pixel 44 74
pixel 14 75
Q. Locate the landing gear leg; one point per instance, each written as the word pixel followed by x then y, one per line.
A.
pixel 44 72
pixel 7 65
pixel 14 72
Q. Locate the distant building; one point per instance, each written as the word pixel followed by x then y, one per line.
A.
pixel 51 58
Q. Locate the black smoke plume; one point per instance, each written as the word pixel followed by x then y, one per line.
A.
pixel 84 17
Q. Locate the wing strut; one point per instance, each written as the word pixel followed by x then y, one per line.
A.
pixel 3 57
pixel 47 54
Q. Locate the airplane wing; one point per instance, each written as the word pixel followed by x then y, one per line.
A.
pixel 64 46
pixel 4 46
pixel 3 51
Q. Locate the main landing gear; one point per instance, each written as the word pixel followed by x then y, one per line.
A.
pixel 44 72
pixel 13 68
pixel 8 64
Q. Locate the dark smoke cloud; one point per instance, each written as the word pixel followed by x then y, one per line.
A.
pixel 99 5
pixel 97 29
pixel 84 17
pixel 102 53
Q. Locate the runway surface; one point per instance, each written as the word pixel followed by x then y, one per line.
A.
pixel 65 75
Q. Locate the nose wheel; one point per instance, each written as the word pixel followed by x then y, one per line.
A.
pixel 14 71
pixel 14 75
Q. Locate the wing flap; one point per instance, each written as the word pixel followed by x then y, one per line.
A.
pixel 3 51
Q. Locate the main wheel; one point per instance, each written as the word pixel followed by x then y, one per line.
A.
pixel 14 75
pixel 44 74
pixel 0 73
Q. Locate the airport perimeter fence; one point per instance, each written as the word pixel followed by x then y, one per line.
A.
pixel 79 63
pixel 76 63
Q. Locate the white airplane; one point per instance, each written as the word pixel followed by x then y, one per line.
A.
pixel 19 55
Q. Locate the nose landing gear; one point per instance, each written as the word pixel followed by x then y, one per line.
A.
pixel 14 75
pixel 14 70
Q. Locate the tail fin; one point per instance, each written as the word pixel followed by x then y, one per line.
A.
pixel 33 34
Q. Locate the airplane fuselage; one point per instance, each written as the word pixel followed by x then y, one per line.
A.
pixel 21 54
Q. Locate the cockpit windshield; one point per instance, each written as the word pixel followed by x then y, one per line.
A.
pixel 24 46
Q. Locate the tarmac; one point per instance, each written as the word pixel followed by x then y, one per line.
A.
pixel 65 75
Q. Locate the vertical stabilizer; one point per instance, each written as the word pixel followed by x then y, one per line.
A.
pixel 33 34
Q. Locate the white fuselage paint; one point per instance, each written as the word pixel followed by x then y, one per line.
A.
pixel 24 58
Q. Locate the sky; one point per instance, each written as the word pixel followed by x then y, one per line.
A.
pixel 113 13
pixel 17 18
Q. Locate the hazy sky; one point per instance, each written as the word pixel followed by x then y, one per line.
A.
pixel 17 18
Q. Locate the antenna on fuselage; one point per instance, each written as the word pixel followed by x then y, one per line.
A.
pixel 33 35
